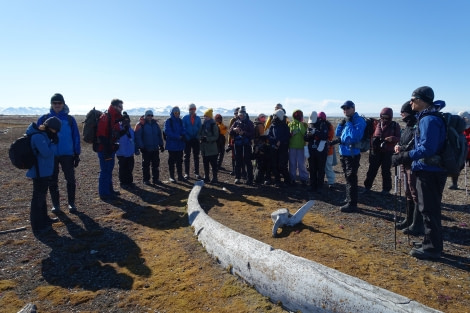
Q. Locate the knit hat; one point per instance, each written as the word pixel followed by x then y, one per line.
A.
pixel 466 117
pixel 313 117
pixel 53 123
pixel 386 113
pixel 406 108
pixel 242 110
pixel 278 106
pixel 192 106
pixel 261 117
pixel 298 115
pixel 425 93
pixel 175 109
pixel 348 103
pixel 279 114
pixel 208 113
pixel 439 104
pixel 57 97
pixel 322 116
pixel 148 112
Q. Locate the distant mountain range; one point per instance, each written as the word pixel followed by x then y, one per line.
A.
pixel 133 111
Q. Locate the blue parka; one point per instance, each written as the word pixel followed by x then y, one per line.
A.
pixel 174 132
pixel 69 136
pixel 127 146
pixel 191 131
pixel 351 134
pixel 43 149
pixel 148 135
pixel 429 140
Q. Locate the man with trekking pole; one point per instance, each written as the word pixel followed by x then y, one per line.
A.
pixel 431 177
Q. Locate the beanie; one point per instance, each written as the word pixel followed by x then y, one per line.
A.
pixel 466 117
pixel 313 117
pixel 386 113
pixel 279 114
pixel 261 117
pixel 322 116
pixel 208 113
pixel 192 106
pixel 406 108
pixel 57 97
pixel 53 123
pixel 148 112
pixel 278 106
pixel 298 115
pixel 425 93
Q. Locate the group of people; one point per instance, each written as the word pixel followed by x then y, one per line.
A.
pixel 264 151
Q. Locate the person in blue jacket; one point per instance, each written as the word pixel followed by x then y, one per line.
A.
pixel 175 143
pixel 125 153
pixel 67 152
pixel 192 124
pixel 349 132
pixel 43 141
pixel 430 176
pixel 149 140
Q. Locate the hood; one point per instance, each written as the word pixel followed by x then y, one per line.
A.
pixel 387 111
pixel 32 128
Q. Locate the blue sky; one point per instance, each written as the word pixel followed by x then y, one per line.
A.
pixel 309 55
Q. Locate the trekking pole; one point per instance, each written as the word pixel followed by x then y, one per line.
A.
pixel 396 204
pixel 466 185
pixel 407 205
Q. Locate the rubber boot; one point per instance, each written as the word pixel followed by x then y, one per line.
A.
pixel 417 228
pixel 409 215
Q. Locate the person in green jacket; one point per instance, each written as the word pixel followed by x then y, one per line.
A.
pixel 209 134
pixel 296 148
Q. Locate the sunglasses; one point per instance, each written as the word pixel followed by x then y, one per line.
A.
pixel 384 116
pixel 149 115
pixel 57 102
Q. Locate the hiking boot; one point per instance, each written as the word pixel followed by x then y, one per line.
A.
pixel 453 187
pixel 207 180
pixel 214 181
pixel 238 181
pixel 157 182
pixel 422 254
pixel 385 192
pixel 146 182
pixel 186 176
pixel 417 227
pixel 181 178
pixel 55 210
pixel 197 176
pixel 72 208
pixel 348 208
pixel 171 180
pixel 249 182
pixel 409 216
pixel 52 220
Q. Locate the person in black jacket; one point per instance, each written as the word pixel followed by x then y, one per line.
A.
pixel 242 132
pixel 278 135
pixel 317 138
pixel 413 222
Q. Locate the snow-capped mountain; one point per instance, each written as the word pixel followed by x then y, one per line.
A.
pixel 165 111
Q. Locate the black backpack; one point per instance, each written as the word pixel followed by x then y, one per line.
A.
pixel 90 126
pixel 364 144
pixel 21 153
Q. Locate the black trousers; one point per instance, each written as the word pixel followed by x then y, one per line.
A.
pixel 212 161
pixel 279 163
pixel 243 159
pixel 175 158
pixel 38 214
pixel 430 186
pixel 316 167
pixel 350 165
pixel 194 145
pixel 151 158
pixel 126 168
pixel 381 159
pixel 66 163
pixel 221 149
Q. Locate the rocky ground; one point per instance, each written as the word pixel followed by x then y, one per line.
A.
pixel 138 253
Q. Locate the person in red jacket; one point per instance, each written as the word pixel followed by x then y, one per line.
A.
pixel 108 133
pixel 386 136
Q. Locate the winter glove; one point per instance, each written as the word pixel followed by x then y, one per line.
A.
pixel 76 160
pixel 162 149
pixel 400 158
